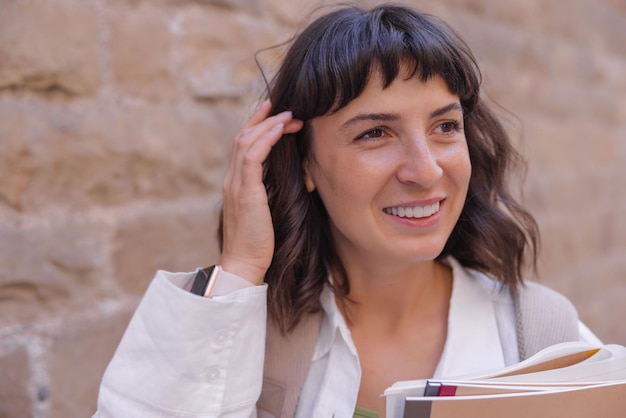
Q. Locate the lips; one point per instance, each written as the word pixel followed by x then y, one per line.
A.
pixel 413 211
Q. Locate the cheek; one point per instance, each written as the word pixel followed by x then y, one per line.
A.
pixel 329 179
pixel 342 185
pixel 467 166
pixel 352 177
pixel 459 166
pixel 465 171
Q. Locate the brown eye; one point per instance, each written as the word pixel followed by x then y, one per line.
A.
pixel 449 127
pixel 371 134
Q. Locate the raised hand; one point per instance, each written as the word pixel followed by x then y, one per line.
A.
pixel 248 233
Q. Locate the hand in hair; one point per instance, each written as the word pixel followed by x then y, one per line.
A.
pixel 248 243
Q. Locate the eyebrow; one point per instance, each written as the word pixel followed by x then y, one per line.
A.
pixel 376 117
pixel 390 117
pixel 445 109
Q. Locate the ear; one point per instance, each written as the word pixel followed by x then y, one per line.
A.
pixel 308 179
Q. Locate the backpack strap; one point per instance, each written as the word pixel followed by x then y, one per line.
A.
pixel 287 361
pixel 543 317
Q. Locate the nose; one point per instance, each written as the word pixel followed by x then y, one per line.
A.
pixel 419 164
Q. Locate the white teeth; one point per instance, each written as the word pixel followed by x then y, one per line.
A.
pixel 413 212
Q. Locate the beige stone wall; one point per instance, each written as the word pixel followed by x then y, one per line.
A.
pixel 115 124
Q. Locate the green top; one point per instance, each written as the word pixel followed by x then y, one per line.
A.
pixel 364 413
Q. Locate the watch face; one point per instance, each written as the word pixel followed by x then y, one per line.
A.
pixel 205 280
pixel 200 283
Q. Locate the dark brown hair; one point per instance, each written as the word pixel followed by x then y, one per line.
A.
pixel 327 66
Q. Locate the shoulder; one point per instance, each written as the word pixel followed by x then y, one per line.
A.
pixel 540 316
pixel 532 298
pixel 544 317
pixel 542 301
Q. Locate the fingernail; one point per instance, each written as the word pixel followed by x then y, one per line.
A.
pixel 278 127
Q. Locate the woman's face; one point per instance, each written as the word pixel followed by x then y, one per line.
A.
pixel 392 168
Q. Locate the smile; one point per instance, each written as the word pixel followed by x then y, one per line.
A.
pixel 413 211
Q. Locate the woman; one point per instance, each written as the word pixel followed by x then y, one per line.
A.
pixel 367 217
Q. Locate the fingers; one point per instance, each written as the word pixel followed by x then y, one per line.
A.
pixel 294 126
pixel 248 232
pixel 252 146
pixel 254 143
pixel 261 112
pixel 265 135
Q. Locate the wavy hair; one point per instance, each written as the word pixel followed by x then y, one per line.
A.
pixel 329 64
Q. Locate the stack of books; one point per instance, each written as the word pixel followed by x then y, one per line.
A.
pixel 572 380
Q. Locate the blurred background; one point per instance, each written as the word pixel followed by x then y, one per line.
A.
pixel 116 118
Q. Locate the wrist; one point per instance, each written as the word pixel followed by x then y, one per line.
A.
pixel 252 274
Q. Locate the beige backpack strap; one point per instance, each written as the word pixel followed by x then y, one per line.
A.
pixel 543 318
pixel 287 361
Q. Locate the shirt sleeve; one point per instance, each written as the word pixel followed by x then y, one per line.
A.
pixel 184 355
pixel 228 283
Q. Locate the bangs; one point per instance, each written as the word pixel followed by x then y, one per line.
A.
pixel 339 52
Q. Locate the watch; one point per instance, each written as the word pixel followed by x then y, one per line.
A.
pixel 205 279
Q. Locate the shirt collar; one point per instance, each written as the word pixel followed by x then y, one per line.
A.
pixel 473 343
pixel 333 325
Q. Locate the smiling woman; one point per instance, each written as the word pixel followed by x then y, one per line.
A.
pixel 390 150
pixel 331 64
pixel 366 211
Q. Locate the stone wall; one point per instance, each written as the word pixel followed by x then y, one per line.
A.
pixel 115 126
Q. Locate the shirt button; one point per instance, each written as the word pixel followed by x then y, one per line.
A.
pixel 220 337
pixel 213 374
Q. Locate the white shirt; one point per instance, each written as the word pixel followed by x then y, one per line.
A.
pixel 187 356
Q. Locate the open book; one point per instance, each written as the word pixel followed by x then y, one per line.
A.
pixel 573 380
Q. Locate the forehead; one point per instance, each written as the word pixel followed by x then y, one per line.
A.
pixel 410 94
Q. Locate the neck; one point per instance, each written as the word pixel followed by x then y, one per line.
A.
pixel 389 296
